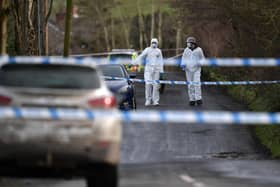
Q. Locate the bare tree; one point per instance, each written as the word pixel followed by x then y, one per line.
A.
pixel 140 23
pixel 101 17
pixel 178 36
pixel 160 21
pixel 48 5
pixel 68 25
pixel 126 29
pixel 4 9
pixel 113 33
pixel 142 32
pixel 104 26
pixel 25 32
pixel 152 20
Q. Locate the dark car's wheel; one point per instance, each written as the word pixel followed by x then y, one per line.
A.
pixel 161 88
pixel 134 103
pixel 103 176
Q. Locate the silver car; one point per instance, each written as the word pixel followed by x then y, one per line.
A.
pixel 58 147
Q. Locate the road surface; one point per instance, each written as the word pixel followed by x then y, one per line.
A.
pixel 185 155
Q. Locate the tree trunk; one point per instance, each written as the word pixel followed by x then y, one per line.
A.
pixel 45 26
pixel 31 50
pixel 20 39
pixel 160 28
pixel 178 37
pixel 48 14
pixel 25 22
pixel 68 25
pixel 39 27
pixel 25 34
pixel 4 8
pixel 143 36
pixel 105 29
pixel 140 26
pixel 126 30
pixel 152 21
pixel 113 33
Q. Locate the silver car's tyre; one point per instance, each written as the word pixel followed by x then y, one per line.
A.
pixel 103 176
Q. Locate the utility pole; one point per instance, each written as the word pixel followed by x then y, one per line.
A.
pixel 68 25
pixel 4 9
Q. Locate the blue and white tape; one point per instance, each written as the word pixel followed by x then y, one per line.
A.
pixel 174 82
pixel 240 62
pixel 147 116
pixel 231 62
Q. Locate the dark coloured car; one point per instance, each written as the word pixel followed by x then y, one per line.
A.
pixel 123 88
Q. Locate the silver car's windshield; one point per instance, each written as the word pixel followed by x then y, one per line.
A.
pixel 49 76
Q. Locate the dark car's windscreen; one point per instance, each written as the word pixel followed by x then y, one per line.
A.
pixel 125 56
pixel 112 70
pixel 49 76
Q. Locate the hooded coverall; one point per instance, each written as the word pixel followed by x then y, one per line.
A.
pixel 191 60
pixel 153 67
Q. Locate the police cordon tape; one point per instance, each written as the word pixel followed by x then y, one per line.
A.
pixel 147 116
pixel 174 82
pixel 226 62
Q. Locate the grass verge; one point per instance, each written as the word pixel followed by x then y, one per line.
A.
pixel 257 98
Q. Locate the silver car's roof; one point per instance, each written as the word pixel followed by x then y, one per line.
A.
pixel 86 62
pixel 116 52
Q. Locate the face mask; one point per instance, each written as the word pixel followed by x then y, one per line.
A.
pixel 190 45
pixel 154 45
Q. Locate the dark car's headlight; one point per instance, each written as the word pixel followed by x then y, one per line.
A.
pixel 123 89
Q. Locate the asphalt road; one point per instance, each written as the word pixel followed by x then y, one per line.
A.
pixel 185 155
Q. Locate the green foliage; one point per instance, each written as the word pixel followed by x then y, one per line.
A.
pixel 245 94
pixel 258 98
pixel 268 100
pixel 129 8
pixel 59 6
pixel 270 138
pixel 108 24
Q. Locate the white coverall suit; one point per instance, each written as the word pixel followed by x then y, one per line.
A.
pixel 153 68
pixel 191 61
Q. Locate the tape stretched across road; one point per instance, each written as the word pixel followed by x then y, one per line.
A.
pixel 230 62
pixel 173 82
pixel 147 116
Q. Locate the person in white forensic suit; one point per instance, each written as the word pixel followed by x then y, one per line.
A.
pixel 191 65
pixel 152 56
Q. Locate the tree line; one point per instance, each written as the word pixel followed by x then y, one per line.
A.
pixel 223 27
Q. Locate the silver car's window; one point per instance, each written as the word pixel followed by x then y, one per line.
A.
pixel 49 76
pixel 112 70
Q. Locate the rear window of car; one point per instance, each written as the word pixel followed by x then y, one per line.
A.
pixel 49 76
pixel 112 70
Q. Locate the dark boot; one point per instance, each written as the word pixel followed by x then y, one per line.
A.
pixel 199 102
pixel 192 103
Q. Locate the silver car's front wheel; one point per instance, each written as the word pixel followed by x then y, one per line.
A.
pixel 106 175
